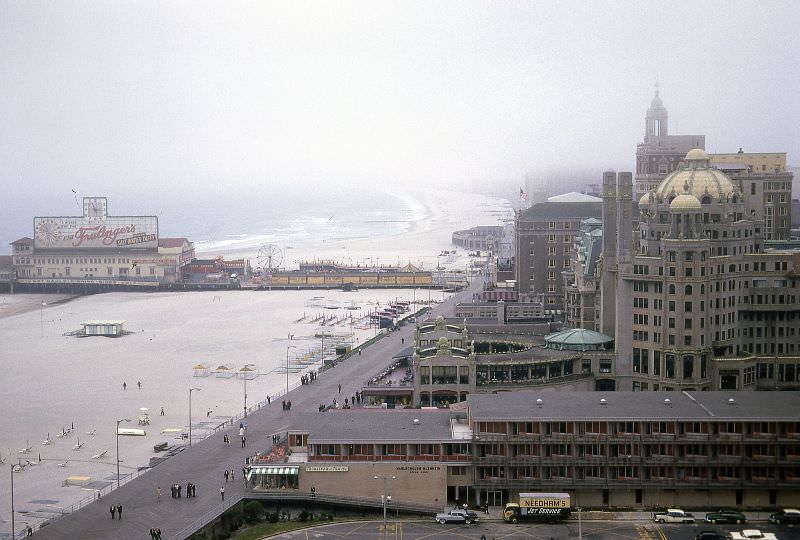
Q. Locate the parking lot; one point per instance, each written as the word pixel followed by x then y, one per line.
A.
pixel 590 530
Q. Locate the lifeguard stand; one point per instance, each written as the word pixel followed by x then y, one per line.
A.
pixel 144 416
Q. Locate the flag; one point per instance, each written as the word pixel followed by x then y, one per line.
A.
pixel 523 196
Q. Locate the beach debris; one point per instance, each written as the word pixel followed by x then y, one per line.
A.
pixel 27 449
pixel 78 445
pixel 91 432
pixel 101 455
pixel 48 440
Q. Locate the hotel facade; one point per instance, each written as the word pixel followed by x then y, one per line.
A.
pixel 607 449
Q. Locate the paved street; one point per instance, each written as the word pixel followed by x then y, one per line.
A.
pixel 495 530
pixel 206 461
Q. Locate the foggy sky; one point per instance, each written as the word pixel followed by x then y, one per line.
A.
pixel 150 97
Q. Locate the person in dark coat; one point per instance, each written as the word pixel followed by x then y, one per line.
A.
pixel 119 511
pixel 113 511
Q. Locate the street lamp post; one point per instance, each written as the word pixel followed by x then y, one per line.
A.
pixel 580 531
pixel 287 366
pixel 245 370
pixel 13 523
pixel 190 414
pixel 118 423
pixel 385 498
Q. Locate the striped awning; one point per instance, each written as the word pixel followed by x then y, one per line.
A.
pixel 273 469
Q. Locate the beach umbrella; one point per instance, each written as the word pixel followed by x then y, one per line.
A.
pixel 223 367
pixel 200 366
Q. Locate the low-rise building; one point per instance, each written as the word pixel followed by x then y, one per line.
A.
pixel 608 450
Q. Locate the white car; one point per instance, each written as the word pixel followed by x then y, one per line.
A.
pixel 673 515
pixel 457 516
pixel 751 534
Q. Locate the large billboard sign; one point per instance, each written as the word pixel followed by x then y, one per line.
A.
pixel 108 232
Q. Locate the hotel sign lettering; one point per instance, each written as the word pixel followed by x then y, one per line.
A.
pixel 419 469
pixel 112 232
pixel 327 468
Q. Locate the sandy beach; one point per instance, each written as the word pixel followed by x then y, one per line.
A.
pixel 52 381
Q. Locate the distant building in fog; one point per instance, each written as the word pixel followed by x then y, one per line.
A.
pixel 660 153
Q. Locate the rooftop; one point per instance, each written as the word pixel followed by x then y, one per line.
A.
pixel 574 196
pixel 561 210
pixel 374 425
pixel 522 405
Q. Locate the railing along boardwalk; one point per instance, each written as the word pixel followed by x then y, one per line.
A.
pixel 204 463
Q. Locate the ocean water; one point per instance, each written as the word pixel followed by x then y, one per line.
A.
pixel 240 222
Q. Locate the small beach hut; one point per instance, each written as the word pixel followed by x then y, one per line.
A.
pixel 202 370
pixel 108 328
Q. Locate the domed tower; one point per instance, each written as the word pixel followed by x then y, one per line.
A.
pixel 656 120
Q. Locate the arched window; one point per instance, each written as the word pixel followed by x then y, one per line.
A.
pixel 734 199
pixel 687 290
pixel 671 198
pixel 702 289
pixel 672 289
pixel 706 199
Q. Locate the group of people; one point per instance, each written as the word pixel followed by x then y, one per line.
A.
pixel 155 533
pixel 176 489
pixel 125 385
pixel 116 511
pixel 287 405
pixel 229 473
pixel 308 378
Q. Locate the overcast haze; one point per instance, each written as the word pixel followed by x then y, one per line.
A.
pixel 148 97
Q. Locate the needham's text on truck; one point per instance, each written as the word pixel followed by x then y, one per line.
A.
pixel 538 506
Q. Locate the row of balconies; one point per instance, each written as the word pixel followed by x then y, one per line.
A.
pixel 632 459
pixel 654 482
pixel 721 438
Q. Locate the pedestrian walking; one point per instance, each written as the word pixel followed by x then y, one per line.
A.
pixel 124 385
pixel 162 411
pixel 173 491
pixel 231 475
pixel 313 492
pixel 244 439
pixel 113 511
pixel 158 494
pixel 152 533
pixel 179 487
pixel 227 473
pixel 158 533
pixel 340 388
pixel 222 493
pixel 119 511
pixel 139 384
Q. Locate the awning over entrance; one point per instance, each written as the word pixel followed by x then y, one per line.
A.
pixel 273 469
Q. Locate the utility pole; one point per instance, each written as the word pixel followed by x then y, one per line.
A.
pixel 385 498
pixel 190 414
pixel 118 423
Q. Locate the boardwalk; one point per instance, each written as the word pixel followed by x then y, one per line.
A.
pixel 205 462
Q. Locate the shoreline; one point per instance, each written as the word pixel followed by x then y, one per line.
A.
pixel 32 302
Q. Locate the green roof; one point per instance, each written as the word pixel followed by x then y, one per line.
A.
pixel 578 339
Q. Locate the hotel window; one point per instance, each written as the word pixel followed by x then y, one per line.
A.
pixel 551 263
pixel 551 224
pixel 669 365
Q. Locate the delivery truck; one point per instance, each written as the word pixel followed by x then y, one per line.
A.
pixel 538 507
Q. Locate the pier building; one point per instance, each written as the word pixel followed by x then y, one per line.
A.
pixel 98 250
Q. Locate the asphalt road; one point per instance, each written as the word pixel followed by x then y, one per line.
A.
pixel 495 530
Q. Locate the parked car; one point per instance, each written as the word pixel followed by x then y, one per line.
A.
pixel 710 535
pixel 752 534
pixel 726 516
pixel 673 515
pixel 456 516
pixel 785 516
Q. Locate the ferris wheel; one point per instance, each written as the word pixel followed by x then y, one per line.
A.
pixel 270 257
